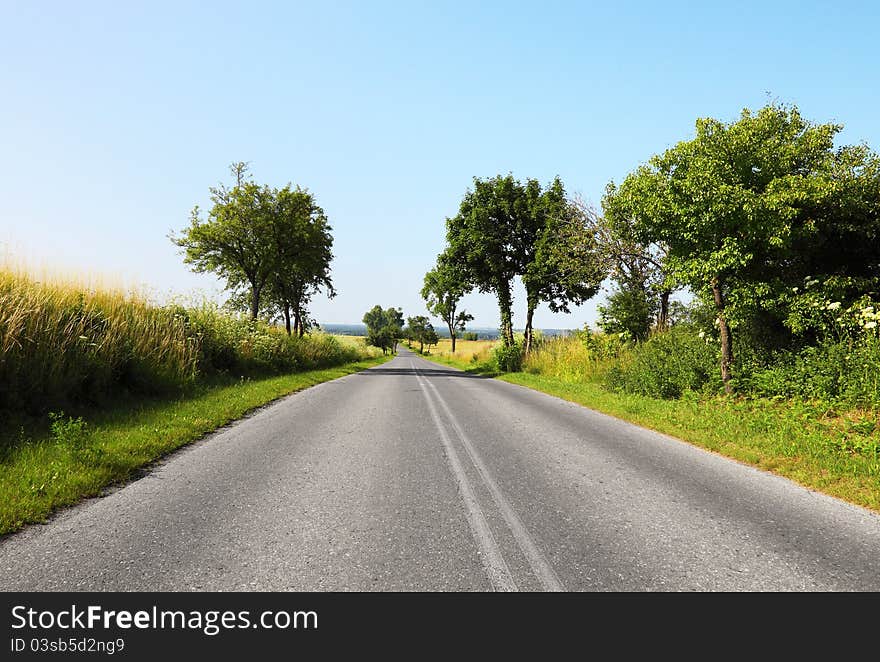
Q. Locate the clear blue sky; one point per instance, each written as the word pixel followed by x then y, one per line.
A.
pixel 116 117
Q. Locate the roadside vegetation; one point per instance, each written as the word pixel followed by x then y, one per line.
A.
pixel 773 233
pixel 473 355
pixel 96 382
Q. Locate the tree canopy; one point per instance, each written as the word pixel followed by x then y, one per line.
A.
pixel 444 286
pixel 272 246
pixel 419 329
pixel 746 206
pixel 384 327
pixel 506 228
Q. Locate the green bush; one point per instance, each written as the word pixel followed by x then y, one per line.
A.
pixel 507 358
pixel 666 365
pixel 845 372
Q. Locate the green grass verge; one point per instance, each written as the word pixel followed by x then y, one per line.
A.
pixel 801 441
pixel 42 469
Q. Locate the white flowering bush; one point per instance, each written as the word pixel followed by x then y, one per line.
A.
pixel 818 310
pixel 841 362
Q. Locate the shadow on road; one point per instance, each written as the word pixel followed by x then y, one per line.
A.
pixel 429 372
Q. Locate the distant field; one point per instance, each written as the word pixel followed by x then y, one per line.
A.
pixel 351 341
pixel 468 353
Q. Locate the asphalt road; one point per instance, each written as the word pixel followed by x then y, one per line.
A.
pixel 412 476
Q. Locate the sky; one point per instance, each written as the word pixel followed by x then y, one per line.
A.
pixel 117 117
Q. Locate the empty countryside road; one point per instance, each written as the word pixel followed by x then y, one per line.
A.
pixel 413 476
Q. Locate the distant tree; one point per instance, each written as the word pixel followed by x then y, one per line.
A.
pixel 431 337
pixel 443 289
pixel 420 330
pixel 384 328
pixel 235 240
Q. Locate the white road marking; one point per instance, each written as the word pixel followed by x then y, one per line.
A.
pixel 496 567
pixel 537 561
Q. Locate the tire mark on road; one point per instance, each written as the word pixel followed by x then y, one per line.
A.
pixel 496 567
pixel 535 557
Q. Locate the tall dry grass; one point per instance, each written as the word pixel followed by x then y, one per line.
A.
pixel 58 339
pixel 69 342
pixel 581 357
pixel 466 351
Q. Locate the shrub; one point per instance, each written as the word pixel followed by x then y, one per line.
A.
pixel 507 358
pixel 666 365
pixel 845 372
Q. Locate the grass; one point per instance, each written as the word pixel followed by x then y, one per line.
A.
pixel 68 343
pixel 835 452
pixel 45 466
pixel 470 355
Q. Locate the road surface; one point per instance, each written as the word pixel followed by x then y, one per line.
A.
pixel 413 476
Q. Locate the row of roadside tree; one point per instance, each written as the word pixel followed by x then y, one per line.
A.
pixel 762 220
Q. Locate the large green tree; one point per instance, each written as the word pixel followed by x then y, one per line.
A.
pixel 728 203
pixel 444 286
pixel 235 241
pixel 642 282
pixel 505 228
pixel 561 261
pixel 482 245
pixel 303 251
pixel 272 246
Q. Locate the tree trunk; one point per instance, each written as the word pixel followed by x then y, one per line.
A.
pixel 452 335
pixel 663 317
pixel 421 347
pixel 287 317
pixel 530 312
pixel 726 340
pixel 255 302
pixel 505 303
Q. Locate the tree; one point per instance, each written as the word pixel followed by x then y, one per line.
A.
pixel 629 310
pixel 420 330
pixel 643 284
pixel 384 327
pixel 562 264
pixel 303 251
pixel 235 241
pixel 728 202
pixel 833 246
pixel 431 337
pixel 505 229
pixel 444 287
pixel 482 245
